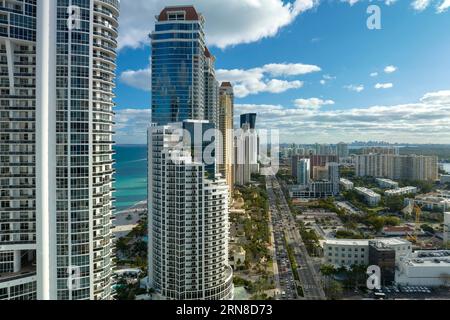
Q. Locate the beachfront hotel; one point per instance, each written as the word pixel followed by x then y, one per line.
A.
pixel 57 71
pixel 187 197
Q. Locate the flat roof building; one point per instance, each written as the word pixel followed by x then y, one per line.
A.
pixel 346 184
pixel 424 268
pixel 387 183
pixel 371 197
pixel 401 191
pixel 348 252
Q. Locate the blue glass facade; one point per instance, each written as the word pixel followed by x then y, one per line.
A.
pixel 177 71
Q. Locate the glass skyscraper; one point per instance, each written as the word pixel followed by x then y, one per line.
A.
pixel 57 60
pixel 178 59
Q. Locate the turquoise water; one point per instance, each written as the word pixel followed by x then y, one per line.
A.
pixel 131 175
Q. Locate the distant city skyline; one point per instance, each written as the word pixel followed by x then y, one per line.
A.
pixel 314 71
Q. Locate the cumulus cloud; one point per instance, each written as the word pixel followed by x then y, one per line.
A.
pixel 139 79
pixel 253 20
pixel 420 5
pixel 384 86
pixel 246 82
pixel 313 103
pixel 257 80
pixel 443 6
pixel 355 87
pixel 390 69
pixel 424 121
pixel 374 74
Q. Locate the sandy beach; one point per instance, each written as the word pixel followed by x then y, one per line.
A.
pixel 126 220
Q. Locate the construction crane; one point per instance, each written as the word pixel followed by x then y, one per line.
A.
pixel 417 228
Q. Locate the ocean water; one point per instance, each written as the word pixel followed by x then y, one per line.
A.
pixel 447 167
pixel 131 175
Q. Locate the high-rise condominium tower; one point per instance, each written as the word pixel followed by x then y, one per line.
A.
pixel 187 200
pixel 57 69
pixel 178 66
pixel 226 127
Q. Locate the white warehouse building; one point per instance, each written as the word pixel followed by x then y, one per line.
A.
pixel 424 268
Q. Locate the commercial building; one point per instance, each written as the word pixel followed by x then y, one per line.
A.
pixel 400 191
pixel 397 167
pixel 343 252
pixel 187 200
pixel 226 127
pixel 56 142
pixel 387 183
pixel 346 184
pixel 384 256
pixel 316 161
pixel 326 188
pixel 371 197
pixel 303 171
pixel 424 268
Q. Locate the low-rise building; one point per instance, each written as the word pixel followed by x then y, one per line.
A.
pixel 436 201
pixel 424 268
pixel 346 184
pixel 387 183
pixel 371 197
pixel 343 252
pixel 401 191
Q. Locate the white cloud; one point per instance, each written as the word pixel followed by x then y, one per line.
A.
pixel 390 69
pixel 131 125
pixel 355 87
pixel 443 6
pixel 374 74
pixel 258 80
pixel 289 69
pixel 140 79
pixel 313 103
pixel 425 121
pixel 384 86
pixel 420 5
pixel 323 82
pixel 252 20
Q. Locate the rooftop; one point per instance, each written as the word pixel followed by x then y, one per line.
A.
pixel 365 242
pixel 190 13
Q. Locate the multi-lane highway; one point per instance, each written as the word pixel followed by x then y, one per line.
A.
pixel 286 231
pixel 284 276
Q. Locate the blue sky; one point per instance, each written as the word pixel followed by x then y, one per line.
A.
pixel 311 69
